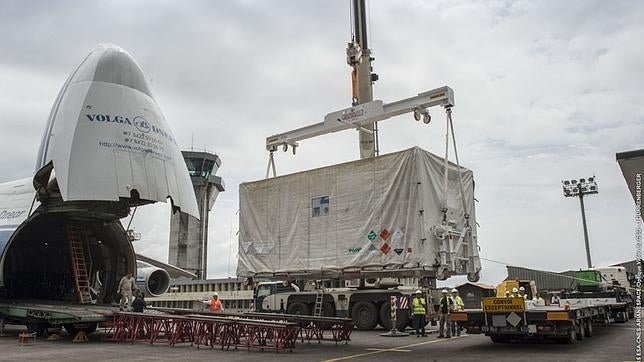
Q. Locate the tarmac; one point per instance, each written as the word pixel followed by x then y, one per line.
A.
pixel 615 342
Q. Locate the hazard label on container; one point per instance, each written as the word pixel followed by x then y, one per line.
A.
pixel 372 235
pixel 399 250
pixel 372 248
pixel 385 248
pixel 385 234
pixel 409 250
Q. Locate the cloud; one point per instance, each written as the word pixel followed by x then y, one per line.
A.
pixel 544 91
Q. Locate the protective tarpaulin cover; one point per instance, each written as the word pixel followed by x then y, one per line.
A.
pixel 364 215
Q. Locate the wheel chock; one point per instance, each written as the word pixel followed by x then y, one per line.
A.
pixel 80 337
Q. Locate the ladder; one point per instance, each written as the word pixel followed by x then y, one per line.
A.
pixel 77 252
pixel 319 297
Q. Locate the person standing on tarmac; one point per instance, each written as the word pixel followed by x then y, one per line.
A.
pixel 446 305
pixel 458 305
pixel 214 304
pixel 125 289
pixel 419 310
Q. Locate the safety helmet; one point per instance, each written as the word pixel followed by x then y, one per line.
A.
pixel 418 292
pixel 445 291
pixel 522 288
pixel 515 290
pixel 215 295
pixel 454 290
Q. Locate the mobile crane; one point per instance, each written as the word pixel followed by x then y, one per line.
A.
pixel 362 292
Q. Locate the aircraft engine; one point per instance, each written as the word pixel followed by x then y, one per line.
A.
pixel 152 281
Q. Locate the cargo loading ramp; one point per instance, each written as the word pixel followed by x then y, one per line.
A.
pixel 53 313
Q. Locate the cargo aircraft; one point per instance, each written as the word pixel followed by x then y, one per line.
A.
pixel 106 150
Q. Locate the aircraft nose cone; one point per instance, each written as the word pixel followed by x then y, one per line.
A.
pixel 107 139
pixel 111 64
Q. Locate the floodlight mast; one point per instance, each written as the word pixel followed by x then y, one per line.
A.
pixel 579 188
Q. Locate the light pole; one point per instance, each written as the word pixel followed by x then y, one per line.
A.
pixel 579 188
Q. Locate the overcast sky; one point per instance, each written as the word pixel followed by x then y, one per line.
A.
pixel 545 90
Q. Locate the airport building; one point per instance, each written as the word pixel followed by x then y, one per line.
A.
pixel 190 294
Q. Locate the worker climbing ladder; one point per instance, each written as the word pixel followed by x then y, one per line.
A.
pixel 75 236
pixel 318 303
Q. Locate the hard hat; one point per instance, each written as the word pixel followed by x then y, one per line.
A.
pixel 418 292
pixel 454 290
pixel 515 290
pixel 215 294
pixel 522 288
pixel 445 291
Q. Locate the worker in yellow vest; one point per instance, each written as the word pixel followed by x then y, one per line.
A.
pixel 515 293
pixel 458 305
pixel 419 310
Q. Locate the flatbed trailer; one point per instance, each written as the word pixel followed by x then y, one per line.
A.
pixel 507 319
pixel 37 316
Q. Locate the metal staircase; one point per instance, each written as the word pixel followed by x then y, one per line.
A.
pixel 75 236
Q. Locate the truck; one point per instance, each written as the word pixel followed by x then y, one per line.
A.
pixel 367 306
pixel 343 239
pixel 571 319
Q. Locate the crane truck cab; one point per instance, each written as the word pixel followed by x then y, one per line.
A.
pixel 272 296
pixel 603 284
pixel 614 275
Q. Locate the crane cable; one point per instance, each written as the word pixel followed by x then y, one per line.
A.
pixel 449 127
pixel 458 163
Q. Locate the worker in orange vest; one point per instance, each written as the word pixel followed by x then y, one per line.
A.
pixel 214 304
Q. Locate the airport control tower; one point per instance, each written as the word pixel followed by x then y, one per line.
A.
pixel 188 235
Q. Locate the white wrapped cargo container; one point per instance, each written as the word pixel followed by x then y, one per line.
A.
pixel 374 216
